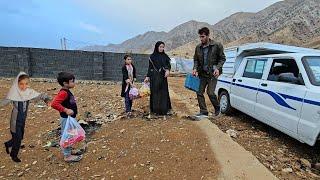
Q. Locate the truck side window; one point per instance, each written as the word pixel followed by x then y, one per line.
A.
pixel 284 70
pixel 254 68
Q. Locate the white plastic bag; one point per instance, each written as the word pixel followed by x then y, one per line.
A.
pixel 72 133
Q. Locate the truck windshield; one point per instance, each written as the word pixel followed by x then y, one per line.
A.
pixel 312 65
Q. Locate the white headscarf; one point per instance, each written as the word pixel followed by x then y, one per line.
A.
pixel 15 94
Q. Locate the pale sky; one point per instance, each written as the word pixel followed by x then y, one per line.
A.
pixel 38 23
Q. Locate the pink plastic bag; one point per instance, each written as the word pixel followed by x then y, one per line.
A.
pixel 134 93
pixel 72 133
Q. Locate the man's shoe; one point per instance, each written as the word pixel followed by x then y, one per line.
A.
pixel 202 115
pixel 217 112
pixel 199 116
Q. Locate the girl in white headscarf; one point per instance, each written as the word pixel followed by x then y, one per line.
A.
pixel 19 95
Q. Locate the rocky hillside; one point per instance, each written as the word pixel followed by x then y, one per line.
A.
pixel 177 37
pixel 293 22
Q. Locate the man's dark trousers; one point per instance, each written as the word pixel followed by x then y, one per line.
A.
pixel 209 84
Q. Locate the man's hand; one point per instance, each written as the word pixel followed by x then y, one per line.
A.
pixel 167 73
pixel 195 73
pixel 69 112
pixel 216 73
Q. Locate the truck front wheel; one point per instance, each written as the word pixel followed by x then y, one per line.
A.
pixel 224 100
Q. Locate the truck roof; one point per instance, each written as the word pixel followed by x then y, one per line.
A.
pixel 264 48
pixel 294 55
pixel 234 55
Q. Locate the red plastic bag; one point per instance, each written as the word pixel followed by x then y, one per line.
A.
pixel 72 133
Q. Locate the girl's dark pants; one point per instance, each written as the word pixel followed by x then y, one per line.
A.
pixel 128 102
pixel 15 141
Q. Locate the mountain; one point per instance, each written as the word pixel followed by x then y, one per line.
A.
pixel 144 43
pixel 292 22
pixel 139 43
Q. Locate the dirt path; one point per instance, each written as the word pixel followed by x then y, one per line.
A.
pixel 284 156
pixel 235 161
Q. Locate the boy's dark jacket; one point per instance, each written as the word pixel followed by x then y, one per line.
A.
pixel 125 76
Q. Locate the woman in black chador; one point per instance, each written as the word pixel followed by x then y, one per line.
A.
pixel 159 69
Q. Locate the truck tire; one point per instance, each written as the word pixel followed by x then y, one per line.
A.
pixel 224 100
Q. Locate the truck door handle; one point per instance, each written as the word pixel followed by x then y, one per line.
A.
pixel 264 84
pixel 240 80
pixel 233 80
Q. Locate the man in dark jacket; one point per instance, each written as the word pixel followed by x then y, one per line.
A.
pixel 208 61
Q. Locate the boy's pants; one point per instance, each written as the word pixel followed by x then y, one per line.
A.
pixel 65 151
pixel 128 102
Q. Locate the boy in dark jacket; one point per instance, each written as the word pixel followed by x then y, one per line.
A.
pixel 66 104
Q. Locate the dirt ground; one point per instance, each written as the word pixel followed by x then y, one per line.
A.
pixel 275 150
pixel 121 149
pixel 139 149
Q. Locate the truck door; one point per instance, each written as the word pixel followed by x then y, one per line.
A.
pixel 245 84
pixel 309 125
pixel 281 95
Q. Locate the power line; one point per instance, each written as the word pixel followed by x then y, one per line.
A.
pixel 79 44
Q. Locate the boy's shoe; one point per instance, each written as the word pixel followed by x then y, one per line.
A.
pixel 72 158
pixel 77 152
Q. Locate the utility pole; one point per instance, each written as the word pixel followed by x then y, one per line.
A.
pixel 65 43
pixel 61 43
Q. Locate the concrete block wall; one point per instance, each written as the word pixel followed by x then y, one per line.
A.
pixel 47 63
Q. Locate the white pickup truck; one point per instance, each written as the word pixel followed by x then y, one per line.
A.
pixel 278 85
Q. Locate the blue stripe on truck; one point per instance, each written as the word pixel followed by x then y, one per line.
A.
pixel 278 97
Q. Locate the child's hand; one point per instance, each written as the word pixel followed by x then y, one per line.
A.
pixel 128 81
pixel 147 79
pixel 48 103
pixel 69 112
pixel 167 73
